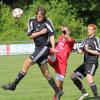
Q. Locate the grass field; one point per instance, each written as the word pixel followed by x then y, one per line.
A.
pixel 34 86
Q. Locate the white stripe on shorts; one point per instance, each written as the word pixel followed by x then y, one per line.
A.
pixel 40 53
pixel 92 70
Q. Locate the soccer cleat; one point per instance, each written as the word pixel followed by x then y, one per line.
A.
pixel 83 96
pixel 58 95
pixel 10 86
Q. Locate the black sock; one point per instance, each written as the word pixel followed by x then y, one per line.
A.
pixel 19 77
pixel 78 83
pixel 51 81
pixel 94 89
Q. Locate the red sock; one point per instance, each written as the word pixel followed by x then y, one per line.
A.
pixel 54 98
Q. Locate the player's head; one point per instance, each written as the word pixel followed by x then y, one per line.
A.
pixel 65 30
pixel 40 13
pixel 91 29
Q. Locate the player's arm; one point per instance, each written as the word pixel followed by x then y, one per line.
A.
pixel 95 52
pixel 36 34
pixel 49 26
pixel 31 32
pixel 52 41
pixel 79 51
pixel 30 27
pixel 68 37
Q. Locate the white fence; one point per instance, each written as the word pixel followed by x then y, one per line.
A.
pixel 16 49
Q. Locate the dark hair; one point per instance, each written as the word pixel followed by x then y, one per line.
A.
pixel 41 9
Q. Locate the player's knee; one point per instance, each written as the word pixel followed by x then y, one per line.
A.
pixel 73 76
pixel 47 75
pixel 90 78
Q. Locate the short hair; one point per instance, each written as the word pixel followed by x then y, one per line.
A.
pixel 41 9
pixel 92 25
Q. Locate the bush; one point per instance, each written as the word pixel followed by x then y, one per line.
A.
pixel 59 11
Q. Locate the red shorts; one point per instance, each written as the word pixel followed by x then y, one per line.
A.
pixel 59 67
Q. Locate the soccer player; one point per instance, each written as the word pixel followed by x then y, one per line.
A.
pixel 59 60
pixel 41 31
pixel 91 49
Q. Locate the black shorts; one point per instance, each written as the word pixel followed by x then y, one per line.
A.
pixel 40 55
pixel 86 68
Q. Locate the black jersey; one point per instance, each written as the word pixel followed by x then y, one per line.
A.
pixel 34 26
pixel 94 44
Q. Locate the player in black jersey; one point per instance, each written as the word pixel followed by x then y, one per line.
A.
pixel 41 31
pixel 91 49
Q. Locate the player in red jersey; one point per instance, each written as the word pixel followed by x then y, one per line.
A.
pixel 59 60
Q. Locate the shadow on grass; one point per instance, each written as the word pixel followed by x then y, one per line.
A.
pixel 92 98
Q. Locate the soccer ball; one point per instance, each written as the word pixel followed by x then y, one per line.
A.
pixel 17 12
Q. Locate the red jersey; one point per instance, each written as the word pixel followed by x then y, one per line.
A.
pixel 64 48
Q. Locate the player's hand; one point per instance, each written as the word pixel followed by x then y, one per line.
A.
pixel 79 51
pixel 53 51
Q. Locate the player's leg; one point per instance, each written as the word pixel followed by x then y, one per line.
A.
pixel 74 77
pixel 60 70
pixel 92 84
pixel 42 62
pixel 59 82
pixel 26 65
pixel 79 73
pixel 60 86
pixel 12 86
pixel 50 79
pixel 48 76
pixel 90 70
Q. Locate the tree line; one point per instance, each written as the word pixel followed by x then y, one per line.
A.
pixel 77 14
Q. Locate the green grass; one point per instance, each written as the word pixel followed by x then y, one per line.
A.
pixel 34 86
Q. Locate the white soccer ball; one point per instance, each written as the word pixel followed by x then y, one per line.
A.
pixel 17 13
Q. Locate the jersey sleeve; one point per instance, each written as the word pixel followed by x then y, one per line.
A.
pixel 30 27
pixel 97 44
pixel 49 26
